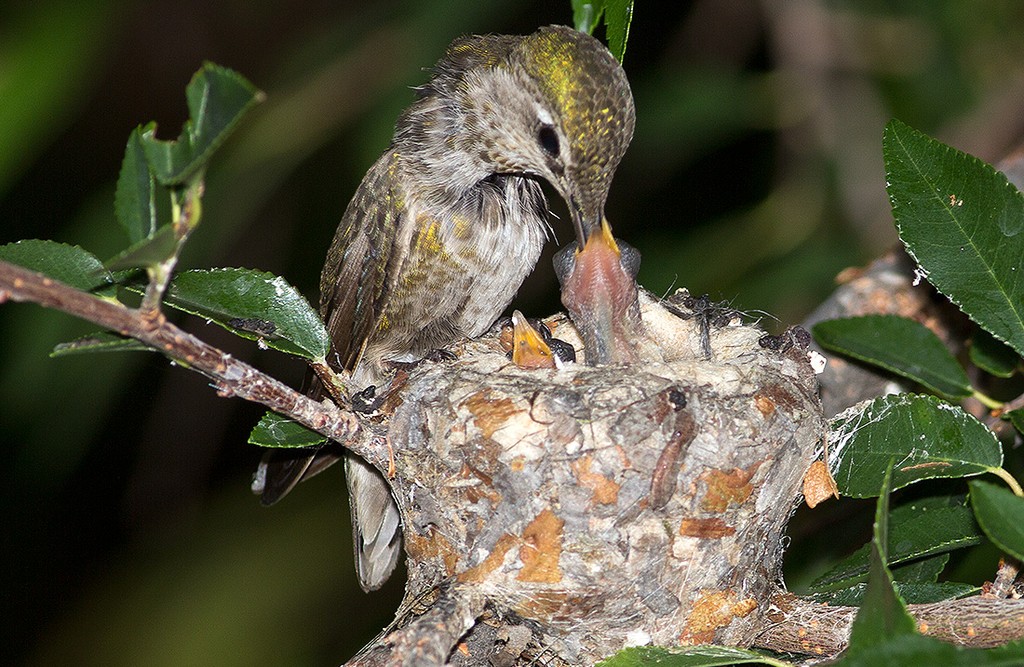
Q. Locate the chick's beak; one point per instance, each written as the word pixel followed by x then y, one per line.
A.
pixel 601 296
pixel 528 347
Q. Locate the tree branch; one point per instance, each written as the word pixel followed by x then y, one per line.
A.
pixel 230 376
pixel 800 625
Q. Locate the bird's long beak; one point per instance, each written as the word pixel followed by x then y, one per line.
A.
pixel 584 222
pixel 607 239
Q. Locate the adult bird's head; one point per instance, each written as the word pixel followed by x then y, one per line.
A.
pixel 554 104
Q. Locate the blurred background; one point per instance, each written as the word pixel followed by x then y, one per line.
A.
pixel 129 534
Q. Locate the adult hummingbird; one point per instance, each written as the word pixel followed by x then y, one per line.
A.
pixel 449 221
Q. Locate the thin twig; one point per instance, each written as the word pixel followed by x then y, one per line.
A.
pixel 230 376
pixel 1006 576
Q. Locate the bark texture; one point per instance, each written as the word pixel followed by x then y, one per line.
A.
pixel 803 626
pixel 570 513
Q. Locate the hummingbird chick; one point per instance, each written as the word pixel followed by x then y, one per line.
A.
pixel 531 344
pixel 449 221
pixel 599 290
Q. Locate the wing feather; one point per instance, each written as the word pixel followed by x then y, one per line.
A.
pixel 353 290
pixel 354 284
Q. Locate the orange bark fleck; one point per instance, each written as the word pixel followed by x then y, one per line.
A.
pixel 727 488
pixel 711 529
pixel 818 484
pixel 434 546
pixel 493 561
pixel 542 547
pixel 488 414
pixel 605 491
pixel 543 605
pixel 765 405
pixel 483 490
pixel 713 610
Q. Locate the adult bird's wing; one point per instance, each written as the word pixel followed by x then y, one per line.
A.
pixel 353 289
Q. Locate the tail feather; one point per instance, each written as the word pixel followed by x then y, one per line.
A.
pixel 376 524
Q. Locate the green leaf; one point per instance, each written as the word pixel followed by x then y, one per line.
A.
pixel 911 593
pixel 217 99
pixel 255 305
pixel 696 656
pixel 1016 418
pixel 897 344
pixel 916 530
pixel 1001 515
pixel 69 264
pixel 618 16
pixel 922 571
pixel 882 615
pixel 103 341
pixel 134 200
pixel 911 650
pixel 992 356
pixel 149 252
pixel 963 223
pixel 928 592
pixel 927 437
pixel 274 430
pixel 586 14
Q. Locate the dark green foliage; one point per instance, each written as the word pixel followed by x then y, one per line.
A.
pixel 1001 515
pixel 68 264
pixel 273 430
pixel 963 222
pixel 992 356
pixel 916 530
pixel 926 436
pixel 618 15
pixel 217 100
pixel 253 304
pixel 899 345
pixel 698 656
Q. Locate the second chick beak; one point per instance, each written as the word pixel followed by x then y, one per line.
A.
pixel 528 347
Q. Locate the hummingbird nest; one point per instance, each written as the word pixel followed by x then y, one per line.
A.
pixel 556 516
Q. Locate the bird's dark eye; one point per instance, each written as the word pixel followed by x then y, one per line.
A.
pixel 548 140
